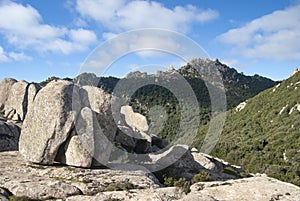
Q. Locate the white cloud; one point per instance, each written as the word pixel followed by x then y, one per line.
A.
pixel 3 56
pixel 19 56
pixel 12 56
pixel 83 36
pixel 109 35
pixel 126 15
pixel 23 27
pixel 273 36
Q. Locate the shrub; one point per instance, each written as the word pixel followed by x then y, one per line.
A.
pixel 183 184
pixel 118 186
pixel 200 177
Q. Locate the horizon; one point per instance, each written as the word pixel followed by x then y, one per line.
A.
pixel 41 39
pixel 152 72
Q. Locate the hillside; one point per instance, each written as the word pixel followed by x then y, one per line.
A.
pixel 238 88
pixel 263 133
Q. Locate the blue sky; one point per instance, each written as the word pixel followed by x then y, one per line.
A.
pixel 43 38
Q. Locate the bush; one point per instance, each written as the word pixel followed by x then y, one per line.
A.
pixel 183 184
pixel 118 186
pixel 200 177
pixel 23 198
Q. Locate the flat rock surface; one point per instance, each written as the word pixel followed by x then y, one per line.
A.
pixel 54 182
pixel 78 184
pixel 257 188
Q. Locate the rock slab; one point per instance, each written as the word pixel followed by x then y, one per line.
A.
pixel 60 182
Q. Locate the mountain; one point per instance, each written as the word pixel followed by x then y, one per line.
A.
pixel 238 87
pixel 262 134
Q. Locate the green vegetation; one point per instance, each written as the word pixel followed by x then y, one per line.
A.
pixel 119 186
pixel 50 79
pixel 171 179
pixel 238 88
pixel 200 177
pixel 112 199
pixel 23 198
pixel 265 136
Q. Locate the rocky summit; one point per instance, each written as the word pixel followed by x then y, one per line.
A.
pixel 65 141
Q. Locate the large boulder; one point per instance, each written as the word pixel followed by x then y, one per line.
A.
pixel 5 88
pixel 16 104
pixel 104 127
pixel 79 148
pixel 50 121
pixel 99 102
pixel 134 140
pixel 219 169
pixel 134 119
pixel 10 134
pixel 32 91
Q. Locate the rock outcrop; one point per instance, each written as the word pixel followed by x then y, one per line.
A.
pixel 5 88
pixel 134 119
pixel 9 136
pixel 69 124
pixel 218 169
pixel 49 122
pixel 16 98
pixel 16 104
pixel 78 150
pixel 100 102
pixel 134 140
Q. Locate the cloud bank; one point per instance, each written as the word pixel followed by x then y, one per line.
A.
pixel 122 15
pixel 23 28
pixel 274 36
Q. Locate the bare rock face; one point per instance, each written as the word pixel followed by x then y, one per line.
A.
pixel 104 127
pixel 79 148
pixel 176 161
pixel 5 88
pixel 133 119
pixel 16 104
pixel 100 103
pixel 32 91
pixel 134 140
pixel 49 121
pixel 9 136
pixel 4 194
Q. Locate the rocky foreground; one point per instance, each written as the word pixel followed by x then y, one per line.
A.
pixel 20 178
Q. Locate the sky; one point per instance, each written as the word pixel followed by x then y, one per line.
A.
pixel 44 38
